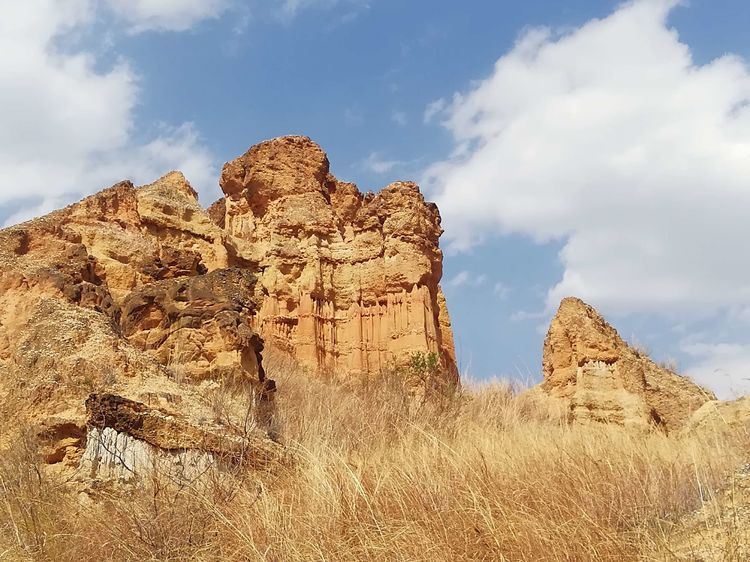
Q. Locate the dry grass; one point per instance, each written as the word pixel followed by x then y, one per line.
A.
pixel 479 475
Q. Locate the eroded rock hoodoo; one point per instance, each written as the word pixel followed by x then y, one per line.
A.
pixel 601 378
pixel 351 279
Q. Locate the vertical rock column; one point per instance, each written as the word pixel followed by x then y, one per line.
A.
pixel 351 280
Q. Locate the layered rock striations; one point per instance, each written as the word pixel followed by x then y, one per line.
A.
pixel 718 416
pixel 127 438
pixel 351 280
pixel 600 378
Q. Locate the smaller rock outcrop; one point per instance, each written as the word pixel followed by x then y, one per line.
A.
pixel 126 439
pixel 717 416
pixel 601 378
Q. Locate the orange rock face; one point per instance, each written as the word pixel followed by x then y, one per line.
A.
pixel 132 291
pixel 587 365
pixel 141 294
pixel 351 279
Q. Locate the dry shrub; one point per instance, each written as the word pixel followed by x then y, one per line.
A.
pixel 482 474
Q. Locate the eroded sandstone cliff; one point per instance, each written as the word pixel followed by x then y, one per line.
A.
pixel 141 295
pixel 600 378
pixel 351 279
pixel 134 292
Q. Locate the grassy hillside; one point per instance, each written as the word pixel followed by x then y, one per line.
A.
pixel 482 474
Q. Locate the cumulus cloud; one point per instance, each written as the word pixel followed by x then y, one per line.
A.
pixel 166 15
pixel 67 125
pixel 611 139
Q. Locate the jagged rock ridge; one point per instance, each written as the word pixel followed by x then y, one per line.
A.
pixel 602 379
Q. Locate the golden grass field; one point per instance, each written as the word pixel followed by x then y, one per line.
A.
pixel 481 475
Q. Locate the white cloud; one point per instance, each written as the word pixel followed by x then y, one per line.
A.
pixel 723 367
pixel 166 15
pixel 501 290
pixel 466 278
pixel 67 125
pixel 376 163
pixel 611 139
pixel 353 117
pixel 434 109
pixel 524 315
pixel 290 8
pixel 182 15
pixel 399 118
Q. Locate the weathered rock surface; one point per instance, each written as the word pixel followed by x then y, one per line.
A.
pixel 112 455
pixel 600 378
pixel 717 416
pixel 351 279
pixel 720 530
pixel 127 438
pixel 141 294
pixel 199 325
pixel 133 291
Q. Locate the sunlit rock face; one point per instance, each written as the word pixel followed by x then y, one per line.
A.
pixel 111 455
pixel 140 293
pixel 351 280
pixel 600 378
pixel 132 291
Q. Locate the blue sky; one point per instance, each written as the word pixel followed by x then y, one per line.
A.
pixel 575 147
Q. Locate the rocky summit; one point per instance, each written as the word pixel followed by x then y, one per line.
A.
pixel 600 378
pixel 139 295
pixel 350 280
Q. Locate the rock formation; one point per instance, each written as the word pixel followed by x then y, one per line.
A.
pixel 126 438
pixel 718 416
pixel 199 324
pixel 351 279
pixel 132 292
pixel 719 530
pixel 140 295
pixel 600 378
